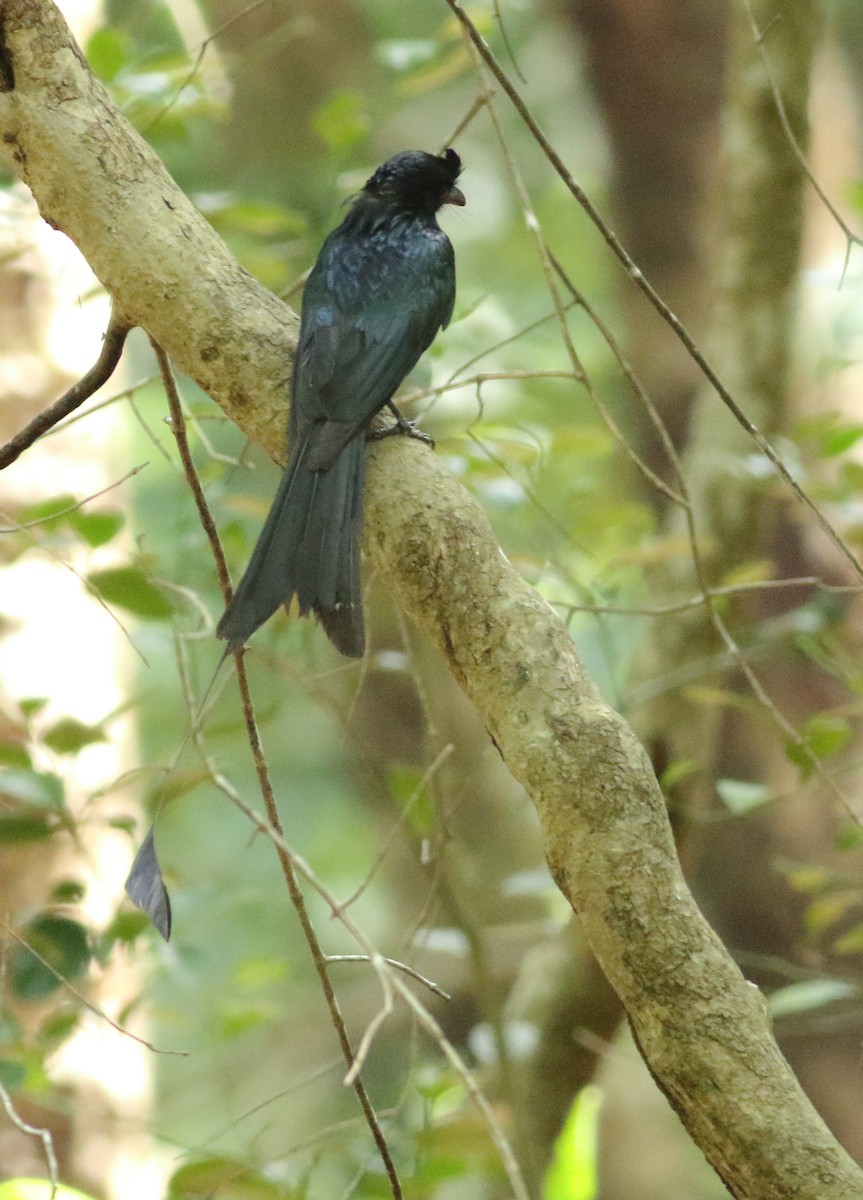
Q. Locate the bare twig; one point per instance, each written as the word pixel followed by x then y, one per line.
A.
pixel 44 1136
pixel 430 771
pixel 27 531
pixel 550 269
pixel 636 275
pixel 99 373
pixel 398 966
pixel 262 771
pixel 851 238
pixel 479 100
pixel 64 512
pixel 397 985
pixel 98 1012
pixel 731 589
pixel 199 58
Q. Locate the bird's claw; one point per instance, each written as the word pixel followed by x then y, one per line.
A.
pixel 400 427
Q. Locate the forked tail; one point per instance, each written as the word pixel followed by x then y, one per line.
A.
pixel 308 548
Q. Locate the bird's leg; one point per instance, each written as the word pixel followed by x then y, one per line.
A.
pixel 402 426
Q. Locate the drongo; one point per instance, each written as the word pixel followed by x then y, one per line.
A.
pixel 382 286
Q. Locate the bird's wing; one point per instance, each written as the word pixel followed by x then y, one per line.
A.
pixel 367 319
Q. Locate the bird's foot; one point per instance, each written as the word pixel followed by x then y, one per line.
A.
pixel 400 427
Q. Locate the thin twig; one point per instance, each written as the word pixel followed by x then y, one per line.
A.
pixel 302 866
pixel 549 270
pixel 98 1012
pixel 264 782
pixel 83 580
pixel 199 58
pixel 44 1136
pixel 731 589
pixel 636 275
pixel 453 384
pixel 64 512
pixel 291 1089
pixel 851 238
pixel 501 1141
pixel 638 388
pixel 430 771
pixel 399 966
pixel 479 100
pixel 377 1021
pixel 507 341
pixel 99 373
pixel 505 36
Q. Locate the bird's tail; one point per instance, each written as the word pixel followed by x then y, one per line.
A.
pixel 308 548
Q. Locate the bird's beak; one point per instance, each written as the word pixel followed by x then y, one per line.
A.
pixel 455 196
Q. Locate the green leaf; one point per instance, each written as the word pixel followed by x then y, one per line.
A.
pixel 342 121
pixel 827 735
pixel 38 789
pixel 50 512
pixel 841 439
pixel 573 1174
pixel 62 943
pixel 59 1025
pixel 821 737
pixel 403 782
pixel 26 829
pixel 127 926
pixel 237 1019
pixel 798 753
pixel 124 824
pixel 809 880
pixel 38 1189
pixel 755 571
pixel 740 795
pixel 436 74
pixel 96 528
pixel 32 705
pixel 224 1178
pixel 852 475
pixel 714 697
pixel 826 910
pixel 850 836
pixel 108 51
pixel 12 1075
pixel 850 942
pixel 13 754
pixel 678 770
pixel 165 98
pixel 129 588
pixel 808 995
pixel 69 735
pixel 405 54
pixel 68 891
pixel 259 971
pixel 828 365
pixel 854 192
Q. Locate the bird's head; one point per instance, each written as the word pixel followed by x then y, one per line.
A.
pixel 416 181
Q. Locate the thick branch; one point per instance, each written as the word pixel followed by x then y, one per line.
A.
pixel 702 1029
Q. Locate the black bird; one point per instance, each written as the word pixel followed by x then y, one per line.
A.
pixel 382 286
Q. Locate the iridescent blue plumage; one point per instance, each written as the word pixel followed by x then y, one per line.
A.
pixel 381 288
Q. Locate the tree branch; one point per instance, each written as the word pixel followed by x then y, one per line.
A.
pixel 702 1029
pixel 99 374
